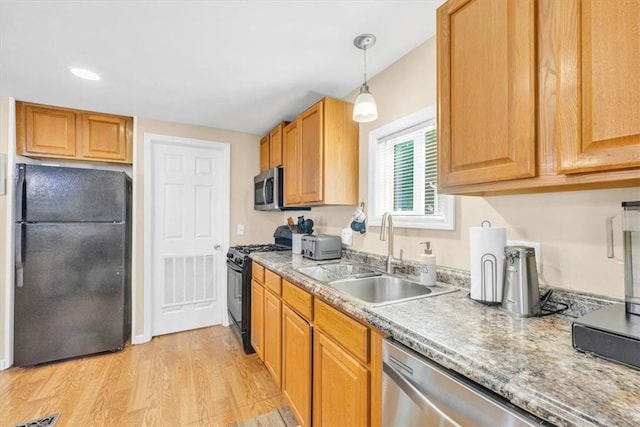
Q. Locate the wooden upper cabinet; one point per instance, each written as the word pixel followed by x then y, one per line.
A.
pixel 291 160
pixel 275 146
pixel 536 95
pixel 42 130
pixel 271 148
pixel 486 80
pixel 599 101
pixel 322 169
pixel 105 137
pixel 264 153
pixel 311 159
pixel 64 133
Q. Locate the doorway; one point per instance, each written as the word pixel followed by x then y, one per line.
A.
pixel 186 232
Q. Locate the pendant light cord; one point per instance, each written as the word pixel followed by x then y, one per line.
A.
pixel 365 64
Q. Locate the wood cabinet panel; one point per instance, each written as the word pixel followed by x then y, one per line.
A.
pixel 340 386
pixel 341 158
pixel 273 335
pixel 257 272
pixel 350 333
pixel 275 146
pixel 55 132
pixel 257 318
pixel 272 281
pixel 599 115
pixel 43 130
pixel 265 154
pixel 296 364
pixel 311 159
pixel 298 299
pixel 105 137
pixel 291 160
pixel 486 83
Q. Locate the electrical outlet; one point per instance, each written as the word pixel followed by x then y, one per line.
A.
pixel 534 245
pixel 347 236
pixel 240 230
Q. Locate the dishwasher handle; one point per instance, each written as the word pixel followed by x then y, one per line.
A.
pixel 413 393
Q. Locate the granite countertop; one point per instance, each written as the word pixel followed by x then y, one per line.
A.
pixel 529 361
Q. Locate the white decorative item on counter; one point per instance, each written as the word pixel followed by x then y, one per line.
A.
pixel 296 243
pixel 487 248
pixel 427 266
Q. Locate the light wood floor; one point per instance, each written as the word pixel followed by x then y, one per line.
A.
pixel 194 378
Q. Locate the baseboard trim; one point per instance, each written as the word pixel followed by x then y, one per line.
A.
pixel 4 365
pixel 140 339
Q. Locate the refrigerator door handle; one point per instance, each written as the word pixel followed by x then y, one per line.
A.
pixel 20 192
pixel 19 254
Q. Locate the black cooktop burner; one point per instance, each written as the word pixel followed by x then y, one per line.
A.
pixel 247 249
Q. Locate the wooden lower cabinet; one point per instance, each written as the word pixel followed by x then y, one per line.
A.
pixel 341 386
pixel 296 364
pixel 327 363
pixel 273 335
pixel 257 318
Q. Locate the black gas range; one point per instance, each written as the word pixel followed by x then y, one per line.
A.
pixel 239 282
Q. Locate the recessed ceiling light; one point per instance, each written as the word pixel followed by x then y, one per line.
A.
pixel 84 73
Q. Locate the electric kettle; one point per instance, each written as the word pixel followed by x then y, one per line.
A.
pixel 520 293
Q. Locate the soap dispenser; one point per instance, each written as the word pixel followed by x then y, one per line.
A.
pixel 427 266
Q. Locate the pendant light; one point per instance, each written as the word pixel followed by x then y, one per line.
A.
pixel 365 109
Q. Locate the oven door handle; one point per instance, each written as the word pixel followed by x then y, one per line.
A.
pixel 414 393
pixel 234 267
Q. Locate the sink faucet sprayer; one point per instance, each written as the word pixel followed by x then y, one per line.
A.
pixel 387 222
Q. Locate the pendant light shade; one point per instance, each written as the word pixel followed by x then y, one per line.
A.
pixel 365 109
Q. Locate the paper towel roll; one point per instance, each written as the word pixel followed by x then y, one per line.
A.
pixel 487 248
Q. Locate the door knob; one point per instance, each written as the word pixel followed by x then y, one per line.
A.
pixel 217 247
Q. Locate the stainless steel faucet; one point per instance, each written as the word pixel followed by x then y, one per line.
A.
pixel 386 232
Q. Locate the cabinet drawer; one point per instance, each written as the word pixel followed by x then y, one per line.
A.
pixel 257 272
pixel 351 334
pixel 272 282
pixel 298 299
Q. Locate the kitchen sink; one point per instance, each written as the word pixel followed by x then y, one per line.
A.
pixel 326 273
pixel 385 289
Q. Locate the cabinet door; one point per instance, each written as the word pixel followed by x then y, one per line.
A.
pixel 291 163
pixel 106 137
pixel 264 153
pixel 599 102
pixel 311 159
pixel 275 146
pixel 296 364
pixel 272 335
pixel 340 386
pixel 486 80
pixel 257 318
pixel 45 131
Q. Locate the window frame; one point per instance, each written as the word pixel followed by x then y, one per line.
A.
pixel 446 221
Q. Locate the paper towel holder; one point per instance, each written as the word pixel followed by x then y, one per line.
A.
pixel 489 283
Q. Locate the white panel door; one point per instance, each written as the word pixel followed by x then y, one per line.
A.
pixel 189 184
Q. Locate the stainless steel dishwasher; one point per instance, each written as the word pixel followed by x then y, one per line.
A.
pixel 418 392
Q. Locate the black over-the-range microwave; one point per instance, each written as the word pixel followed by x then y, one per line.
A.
pixel 268 191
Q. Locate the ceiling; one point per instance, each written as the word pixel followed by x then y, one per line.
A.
pixel 238 65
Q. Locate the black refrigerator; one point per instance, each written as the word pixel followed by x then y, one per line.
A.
pixel 72 290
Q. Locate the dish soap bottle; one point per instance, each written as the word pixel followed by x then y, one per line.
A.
pixel 427 266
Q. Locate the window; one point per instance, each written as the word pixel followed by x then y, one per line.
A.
pixel 403 174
